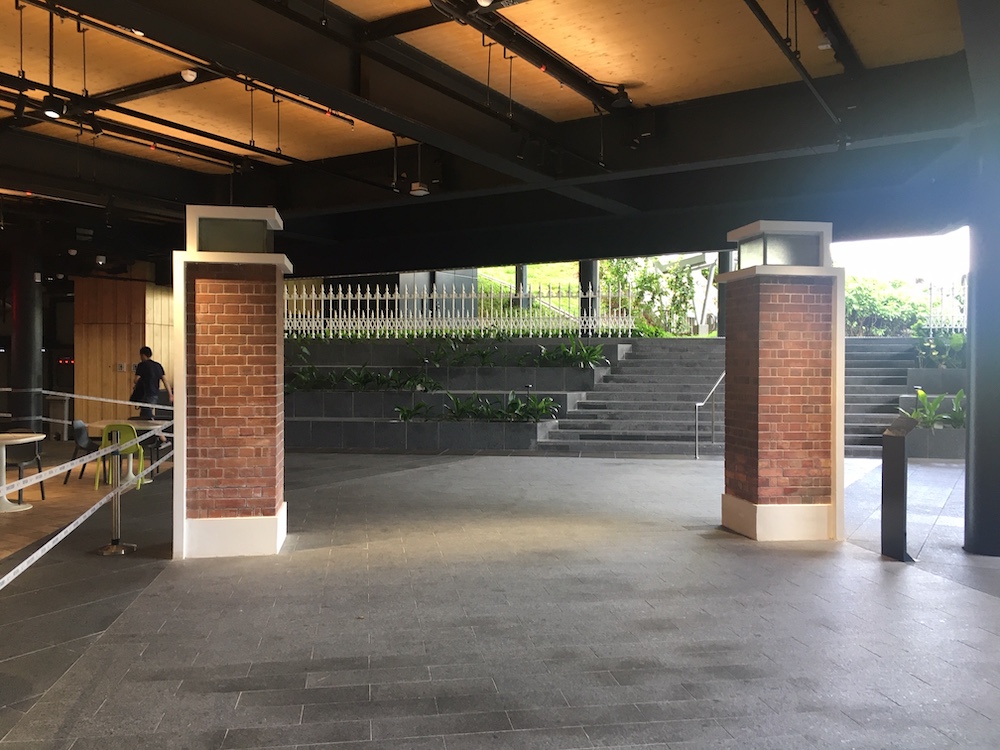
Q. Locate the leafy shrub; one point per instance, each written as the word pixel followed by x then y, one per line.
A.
pixel 928 411
pixel 878 308
pixel 575 354
pixel 943 350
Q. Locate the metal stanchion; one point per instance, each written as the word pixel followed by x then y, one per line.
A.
pixel 116 547
pixel 894 466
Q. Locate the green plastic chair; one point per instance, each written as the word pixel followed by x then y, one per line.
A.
pixel 126 433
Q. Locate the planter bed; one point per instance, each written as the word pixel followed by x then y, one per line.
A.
pixel 948 442
pixel 414 436
pixel 394 353
pixel 306 405
pixel 938 379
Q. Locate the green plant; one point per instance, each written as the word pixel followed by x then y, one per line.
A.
pixel 878 308
pixel 531 409
pixel 943 350
pixel 645 329
pixel 463 408
pixel 680 287
pixel 360 379
pixel 574 354
pixel 308 377
pixel 956 418
pixel 928 411
pixel 419 410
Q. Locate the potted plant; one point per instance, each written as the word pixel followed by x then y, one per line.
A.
pixel 944 433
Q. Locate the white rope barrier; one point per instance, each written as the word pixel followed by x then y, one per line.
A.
pixel 47 547
pixel 55 471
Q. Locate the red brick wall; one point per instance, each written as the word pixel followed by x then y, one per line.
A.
pixel 235 391
pixel 779 389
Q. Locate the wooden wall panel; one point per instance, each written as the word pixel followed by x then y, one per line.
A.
pixel 109 328
pixel 160 326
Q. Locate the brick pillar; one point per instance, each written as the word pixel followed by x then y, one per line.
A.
pixel 784 403
pixel 229 404
pixel 235 398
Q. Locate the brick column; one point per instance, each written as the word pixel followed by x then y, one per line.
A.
pixel 229 401
pixel 784 403
pixel 235 403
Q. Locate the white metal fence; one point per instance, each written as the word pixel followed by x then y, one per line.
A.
pixel 946 307
pixel 397 312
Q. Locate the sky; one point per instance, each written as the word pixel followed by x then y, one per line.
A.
pixel 942 258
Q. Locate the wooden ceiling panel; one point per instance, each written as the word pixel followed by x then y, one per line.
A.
pixel 372 10
pixel 891 32
pixel 111 62
pixel 664 50
pixel 223 107
pixel 461 47
pixel 68 132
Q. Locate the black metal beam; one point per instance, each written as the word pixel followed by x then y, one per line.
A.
pixel 775 35
pixel 72 171
pixel 153 86
pixel 840 42
pixel 856 211
pixel 259 49
pixel 403 23
pixel 525 46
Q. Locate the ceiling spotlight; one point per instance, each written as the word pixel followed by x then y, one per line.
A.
pixel 53 106
pixel 419 189
pixel 137 32
pixel 72 251
pixel 19 106
pixel 101 260
pixel 485 3
pixel 189 75
pixel 621 99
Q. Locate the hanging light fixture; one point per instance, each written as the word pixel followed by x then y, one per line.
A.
pixel 52 105
pixel 419 188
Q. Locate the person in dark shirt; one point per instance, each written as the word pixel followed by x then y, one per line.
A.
pixel 148 376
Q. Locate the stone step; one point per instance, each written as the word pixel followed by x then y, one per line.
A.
pixel 868 372
pixel 875 379
pixel 864 389
pixel 648 447
pixel 630 426
pixel 695 390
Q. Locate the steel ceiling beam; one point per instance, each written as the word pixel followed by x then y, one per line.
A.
pixel 153 86
pixel 529 49
pixel 403 23
pixel 840 42
pixel 258 48
pixel 775 35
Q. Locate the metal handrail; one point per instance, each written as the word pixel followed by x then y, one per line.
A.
pixel 697 413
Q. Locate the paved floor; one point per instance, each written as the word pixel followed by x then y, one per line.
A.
pixel 509 602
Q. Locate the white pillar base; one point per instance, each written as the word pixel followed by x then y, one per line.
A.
pixel 236 537
pixel 778 523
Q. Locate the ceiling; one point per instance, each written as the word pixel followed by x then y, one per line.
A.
pixel 543 129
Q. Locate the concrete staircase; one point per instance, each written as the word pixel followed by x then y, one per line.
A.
pixel 875 378
pixel 646 404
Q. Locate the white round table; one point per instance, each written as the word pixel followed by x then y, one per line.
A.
pixel 13 438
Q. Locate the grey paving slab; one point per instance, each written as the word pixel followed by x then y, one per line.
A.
pixel 512 601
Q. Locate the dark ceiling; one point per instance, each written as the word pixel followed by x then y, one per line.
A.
pixel 543 130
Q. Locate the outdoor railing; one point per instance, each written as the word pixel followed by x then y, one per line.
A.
pixel 946 308
pixel 710 398
pixel 385 312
